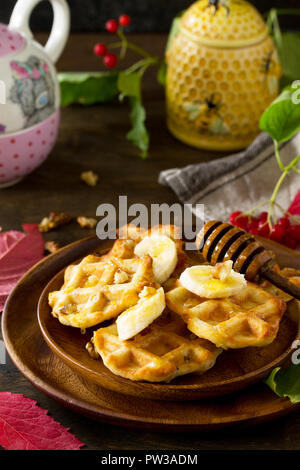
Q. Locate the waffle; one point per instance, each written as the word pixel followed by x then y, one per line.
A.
pixel 165 350
pixel 100 288
pixel 291 274
pixel 134 234
pixel 249 318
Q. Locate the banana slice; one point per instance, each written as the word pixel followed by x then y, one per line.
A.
pixel 163 252
pixel 135 319
pixel 213 282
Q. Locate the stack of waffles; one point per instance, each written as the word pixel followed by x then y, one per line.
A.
pixel 163 317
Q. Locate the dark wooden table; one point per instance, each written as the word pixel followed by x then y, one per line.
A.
pixel 93 138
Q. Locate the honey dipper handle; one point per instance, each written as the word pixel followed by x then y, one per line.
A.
pixel 280 281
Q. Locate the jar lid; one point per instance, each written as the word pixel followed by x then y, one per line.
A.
pixel 10 41
pixel 223 23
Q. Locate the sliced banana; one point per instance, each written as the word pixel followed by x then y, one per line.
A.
pixel 135 319
pixel 163 252
pixel 213 282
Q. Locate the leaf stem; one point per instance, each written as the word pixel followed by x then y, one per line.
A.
pixel 133 47
pixel 124 43
pixel 277 154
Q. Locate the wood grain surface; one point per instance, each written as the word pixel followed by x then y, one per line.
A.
pixel 85 142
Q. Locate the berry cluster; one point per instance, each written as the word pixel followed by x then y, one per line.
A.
pixel 112 26
pixel 284 231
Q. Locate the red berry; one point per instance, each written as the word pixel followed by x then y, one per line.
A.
pixel 277 234
pixel 112 26
pixel 294 232
pixel 124 20
pixel 241 221
pixel 290 242
pixel 285 223
pixel 110 60
pixel 100 50
pixel 253 226
pixel 263 226
pixel 233 216
pixel 263 217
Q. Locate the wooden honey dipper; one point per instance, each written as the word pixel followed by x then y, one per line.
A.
pixel 218 241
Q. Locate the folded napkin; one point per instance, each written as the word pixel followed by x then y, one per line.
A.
pixel 237 182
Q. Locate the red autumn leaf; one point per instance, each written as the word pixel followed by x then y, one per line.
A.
pixel 18 253
pixel 295 206
pixel 26 426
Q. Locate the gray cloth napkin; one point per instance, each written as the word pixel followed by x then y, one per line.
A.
pixel 237 182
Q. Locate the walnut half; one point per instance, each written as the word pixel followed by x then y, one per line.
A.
pixel 90 178
pixel 86 222
pixel 54 220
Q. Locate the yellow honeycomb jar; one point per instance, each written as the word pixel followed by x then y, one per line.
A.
pixel 223 71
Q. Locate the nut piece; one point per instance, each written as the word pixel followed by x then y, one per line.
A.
pixel 53 221
pixel 89 177
pixel 120 277
pixel 52 246
pixel 86 222
pixel 91 350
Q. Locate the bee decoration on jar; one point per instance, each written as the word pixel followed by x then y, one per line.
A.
pixel 270 70
pixel 206 114
pixel 215 5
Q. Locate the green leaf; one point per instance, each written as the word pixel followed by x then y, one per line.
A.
pixel 282 118
pixel 175 28
pixel 138 134
pixel 286 382
pixel 129 84
pixel 287 44
pixel 162 72
pixel 87 88
pixel 289 55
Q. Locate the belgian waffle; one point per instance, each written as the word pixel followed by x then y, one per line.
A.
pixel 249 318
pixel 100 288
pixel 291 274
pixel 163 351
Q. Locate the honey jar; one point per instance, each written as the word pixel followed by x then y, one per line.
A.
pixel 223 71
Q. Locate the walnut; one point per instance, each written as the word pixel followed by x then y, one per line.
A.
pixel 120 277
pixel 55 219
pixel 91 350
pixel 52 246
pixel 68 309
pixel 89 177
pixel 86 222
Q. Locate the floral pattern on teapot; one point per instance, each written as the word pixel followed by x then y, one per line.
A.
pixel 33 89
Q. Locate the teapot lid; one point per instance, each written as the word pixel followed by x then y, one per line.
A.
pixel 10 41
pixel 223 23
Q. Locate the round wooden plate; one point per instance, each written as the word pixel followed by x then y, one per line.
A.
pixel 234 370
pixel 52 376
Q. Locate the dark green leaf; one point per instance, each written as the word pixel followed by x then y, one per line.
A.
pixel 289 54
pixel 162 72
pixel 87 88
pixel 138 134
pixel 286 382
pixel 129 84
pixel 175 27
pixel 282 118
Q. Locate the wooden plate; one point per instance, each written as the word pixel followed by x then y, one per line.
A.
pixel 234 370
pixel 51 375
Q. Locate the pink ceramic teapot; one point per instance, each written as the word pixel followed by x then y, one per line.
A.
pixel 29 91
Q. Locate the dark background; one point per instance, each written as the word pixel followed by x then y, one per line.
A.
pixel 148 15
